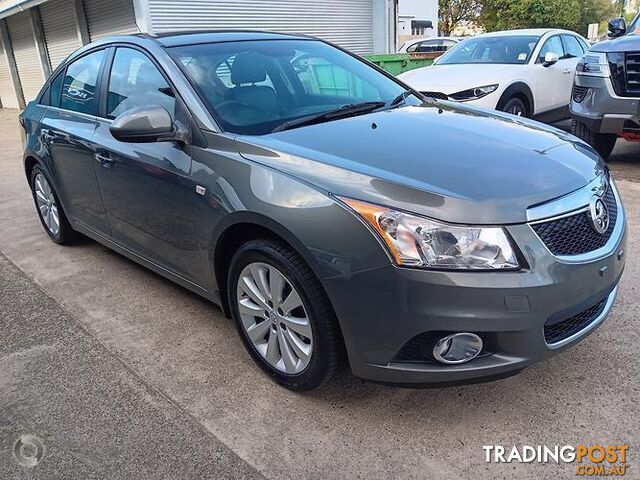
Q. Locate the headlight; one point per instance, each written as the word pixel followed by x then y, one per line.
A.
pixel 416 241
pixel 473 93
pixel 593 64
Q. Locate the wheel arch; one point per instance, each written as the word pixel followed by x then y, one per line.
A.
pixel 30 161
pixel 238 228
pixel 520 90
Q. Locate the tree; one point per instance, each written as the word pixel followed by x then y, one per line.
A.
pixel 452 12
pixel 573 15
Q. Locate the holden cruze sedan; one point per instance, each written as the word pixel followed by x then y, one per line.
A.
pixel 331 211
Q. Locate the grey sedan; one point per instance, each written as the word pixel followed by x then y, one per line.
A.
pixel 334 213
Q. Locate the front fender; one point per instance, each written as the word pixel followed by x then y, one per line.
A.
pixel 331 239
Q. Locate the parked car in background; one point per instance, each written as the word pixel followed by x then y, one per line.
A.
pixel 523 72
pixel 330 211
pixel 605 103
pixel 429 45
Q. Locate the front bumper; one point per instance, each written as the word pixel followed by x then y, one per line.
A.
pixel 380 310
pixel 602 110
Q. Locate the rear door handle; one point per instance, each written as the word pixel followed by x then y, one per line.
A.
pixel 47 136
pixel 567 71
pixel 103 160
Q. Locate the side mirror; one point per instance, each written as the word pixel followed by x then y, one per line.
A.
pixel 550 58
pixel 149 123
pixel 617 27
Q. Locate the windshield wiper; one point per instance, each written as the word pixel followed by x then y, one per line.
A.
pixel 400 99
pixel 342 112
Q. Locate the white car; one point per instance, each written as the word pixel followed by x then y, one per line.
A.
pixel 522 72
pixel 429 44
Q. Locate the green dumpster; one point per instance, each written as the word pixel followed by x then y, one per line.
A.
pixel 396 63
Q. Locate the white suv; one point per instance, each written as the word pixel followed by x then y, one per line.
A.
pixel 523 72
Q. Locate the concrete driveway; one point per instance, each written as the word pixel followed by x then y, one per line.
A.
pixel 178 358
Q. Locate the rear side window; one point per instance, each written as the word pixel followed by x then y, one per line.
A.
pixel 79 87
pixel 51 95
pixel 135 82
pixel 44 98
pixel 55 90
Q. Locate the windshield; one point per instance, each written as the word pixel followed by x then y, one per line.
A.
pixel 515 49
pixel 252 87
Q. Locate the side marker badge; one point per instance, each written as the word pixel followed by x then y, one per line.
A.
pixel 201 190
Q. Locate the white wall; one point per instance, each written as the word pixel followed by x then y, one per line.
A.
pixel 417 10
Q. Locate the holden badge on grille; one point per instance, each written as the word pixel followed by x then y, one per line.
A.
pixel 599 214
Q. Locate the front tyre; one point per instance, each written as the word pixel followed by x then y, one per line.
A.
pixel 283 315
pixel 603 143
pixel 50 211
pixel 515 106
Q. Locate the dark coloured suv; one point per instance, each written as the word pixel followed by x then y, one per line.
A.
pixel 333 212
pixel 605 102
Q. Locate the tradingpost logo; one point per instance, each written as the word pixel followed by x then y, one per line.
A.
pixel 589 460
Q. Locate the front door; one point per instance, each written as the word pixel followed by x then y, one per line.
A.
pixel 551 80
pixel 146 187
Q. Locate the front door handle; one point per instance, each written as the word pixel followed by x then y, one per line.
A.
pixel 103 160
pixel 567 71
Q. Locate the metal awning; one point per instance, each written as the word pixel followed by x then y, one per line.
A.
pixel 9 7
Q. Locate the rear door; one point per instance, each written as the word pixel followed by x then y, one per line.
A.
pixel 146 187
pixel 66 132
pixel 573 52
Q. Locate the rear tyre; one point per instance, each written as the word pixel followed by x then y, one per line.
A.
pixel 49 209
pixel 283 315
pixel 603 143
pixel 515 106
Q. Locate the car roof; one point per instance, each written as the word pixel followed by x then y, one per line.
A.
pixel 537 32
pixel 422 39
pixel 173 39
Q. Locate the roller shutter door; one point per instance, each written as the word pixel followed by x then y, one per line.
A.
pixel 59 27
pixel 7 94
pixel 25 54
pixel 110 17
pixel 348 23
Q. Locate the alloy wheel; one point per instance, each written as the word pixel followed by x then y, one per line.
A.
pixel 47 206
pixel 516 110
pixel 274 318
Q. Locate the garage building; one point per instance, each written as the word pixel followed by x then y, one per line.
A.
pixel 36 35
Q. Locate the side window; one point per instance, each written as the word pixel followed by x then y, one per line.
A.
pixel 135 81
pixel 429 46
pixel 554 45
pixel 79 86
pixel 413 47
pixel 320 77
pixel 56 90
pixel 572 47
pixel 447 44
pixel 45 97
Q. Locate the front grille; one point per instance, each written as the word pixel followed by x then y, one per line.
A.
pixel 574 234
pixel 579 93
pixel 556 331
pixel 632 64
pixel 438 95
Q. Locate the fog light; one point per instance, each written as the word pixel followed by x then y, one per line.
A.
pixel 457 348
